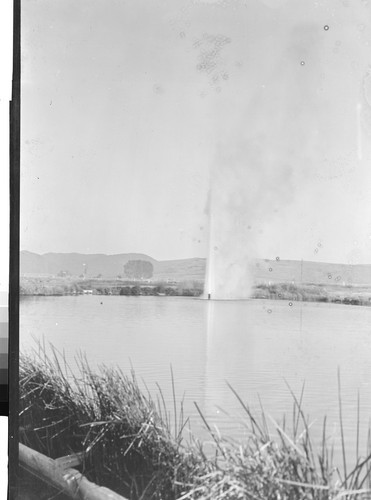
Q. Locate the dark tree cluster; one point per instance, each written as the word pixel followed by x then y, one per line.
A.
pixel 63 274
pixel 138 269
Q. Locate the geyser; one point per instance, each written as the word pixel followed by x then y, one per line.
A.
pixel 228 266
pixel 291 161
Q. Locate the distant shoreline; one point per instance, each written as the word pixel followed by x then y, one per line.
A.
pixel 265 271
pixel 53 286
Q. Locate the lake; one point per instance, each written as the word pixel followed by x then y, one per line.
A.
pixel 253 345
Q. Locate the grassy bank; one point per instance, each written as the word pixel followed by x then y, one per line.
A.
pixel 132 445
pixel 337 294
pixel 331 293
pixel 49 285
pixel 58 286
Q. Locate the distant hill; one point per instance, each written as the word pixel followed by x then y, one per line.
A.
pixel 263 270
pixel 311 272
pixel 180 270
pixel 95 264
pixel 109 266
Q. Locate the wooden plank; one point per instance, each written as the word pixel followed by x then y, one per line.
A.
pixel 68 481
pixel 70 460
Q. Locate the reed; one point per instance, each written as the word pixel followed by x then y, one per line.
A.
pixel 128 446
pixel 133 446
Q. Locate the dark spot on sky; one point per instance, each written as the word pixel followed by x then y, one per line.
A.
pixel 157 89
pixel 210 61
pixel 326 27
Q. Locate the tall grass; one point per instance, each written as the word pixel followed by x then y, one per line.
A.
pixel 133 446
pixel 129 447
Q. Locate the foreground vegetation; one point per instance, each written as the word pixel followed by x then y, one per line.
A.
pixel 133 447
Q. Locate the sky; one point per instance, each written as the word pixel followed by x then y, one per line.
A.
pixel 143 120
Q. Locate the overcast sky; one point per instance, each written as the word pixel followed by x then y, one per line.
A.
pixel 141 118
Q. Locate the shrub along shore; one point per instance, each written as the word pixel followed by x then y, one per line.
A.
pixel 133 446
pixel 336 294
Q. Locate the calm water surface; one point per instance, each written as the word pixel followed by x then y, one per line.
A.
pixel 254 345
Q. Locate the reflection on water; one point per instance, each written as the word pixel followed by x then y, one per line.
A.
pixel 254 345
pixel 258 346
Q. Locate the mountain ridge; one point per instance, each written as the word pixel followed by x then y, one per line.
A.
pixel 262 270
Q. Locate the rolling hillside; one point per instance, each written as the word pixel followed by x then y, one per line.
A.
pixel 263 270
pixel 311 272
pixel 95 264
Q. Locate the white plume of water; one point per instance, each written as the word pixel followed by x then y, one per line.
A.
pixel 247 186
pixel 228 265
pixel 290 154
